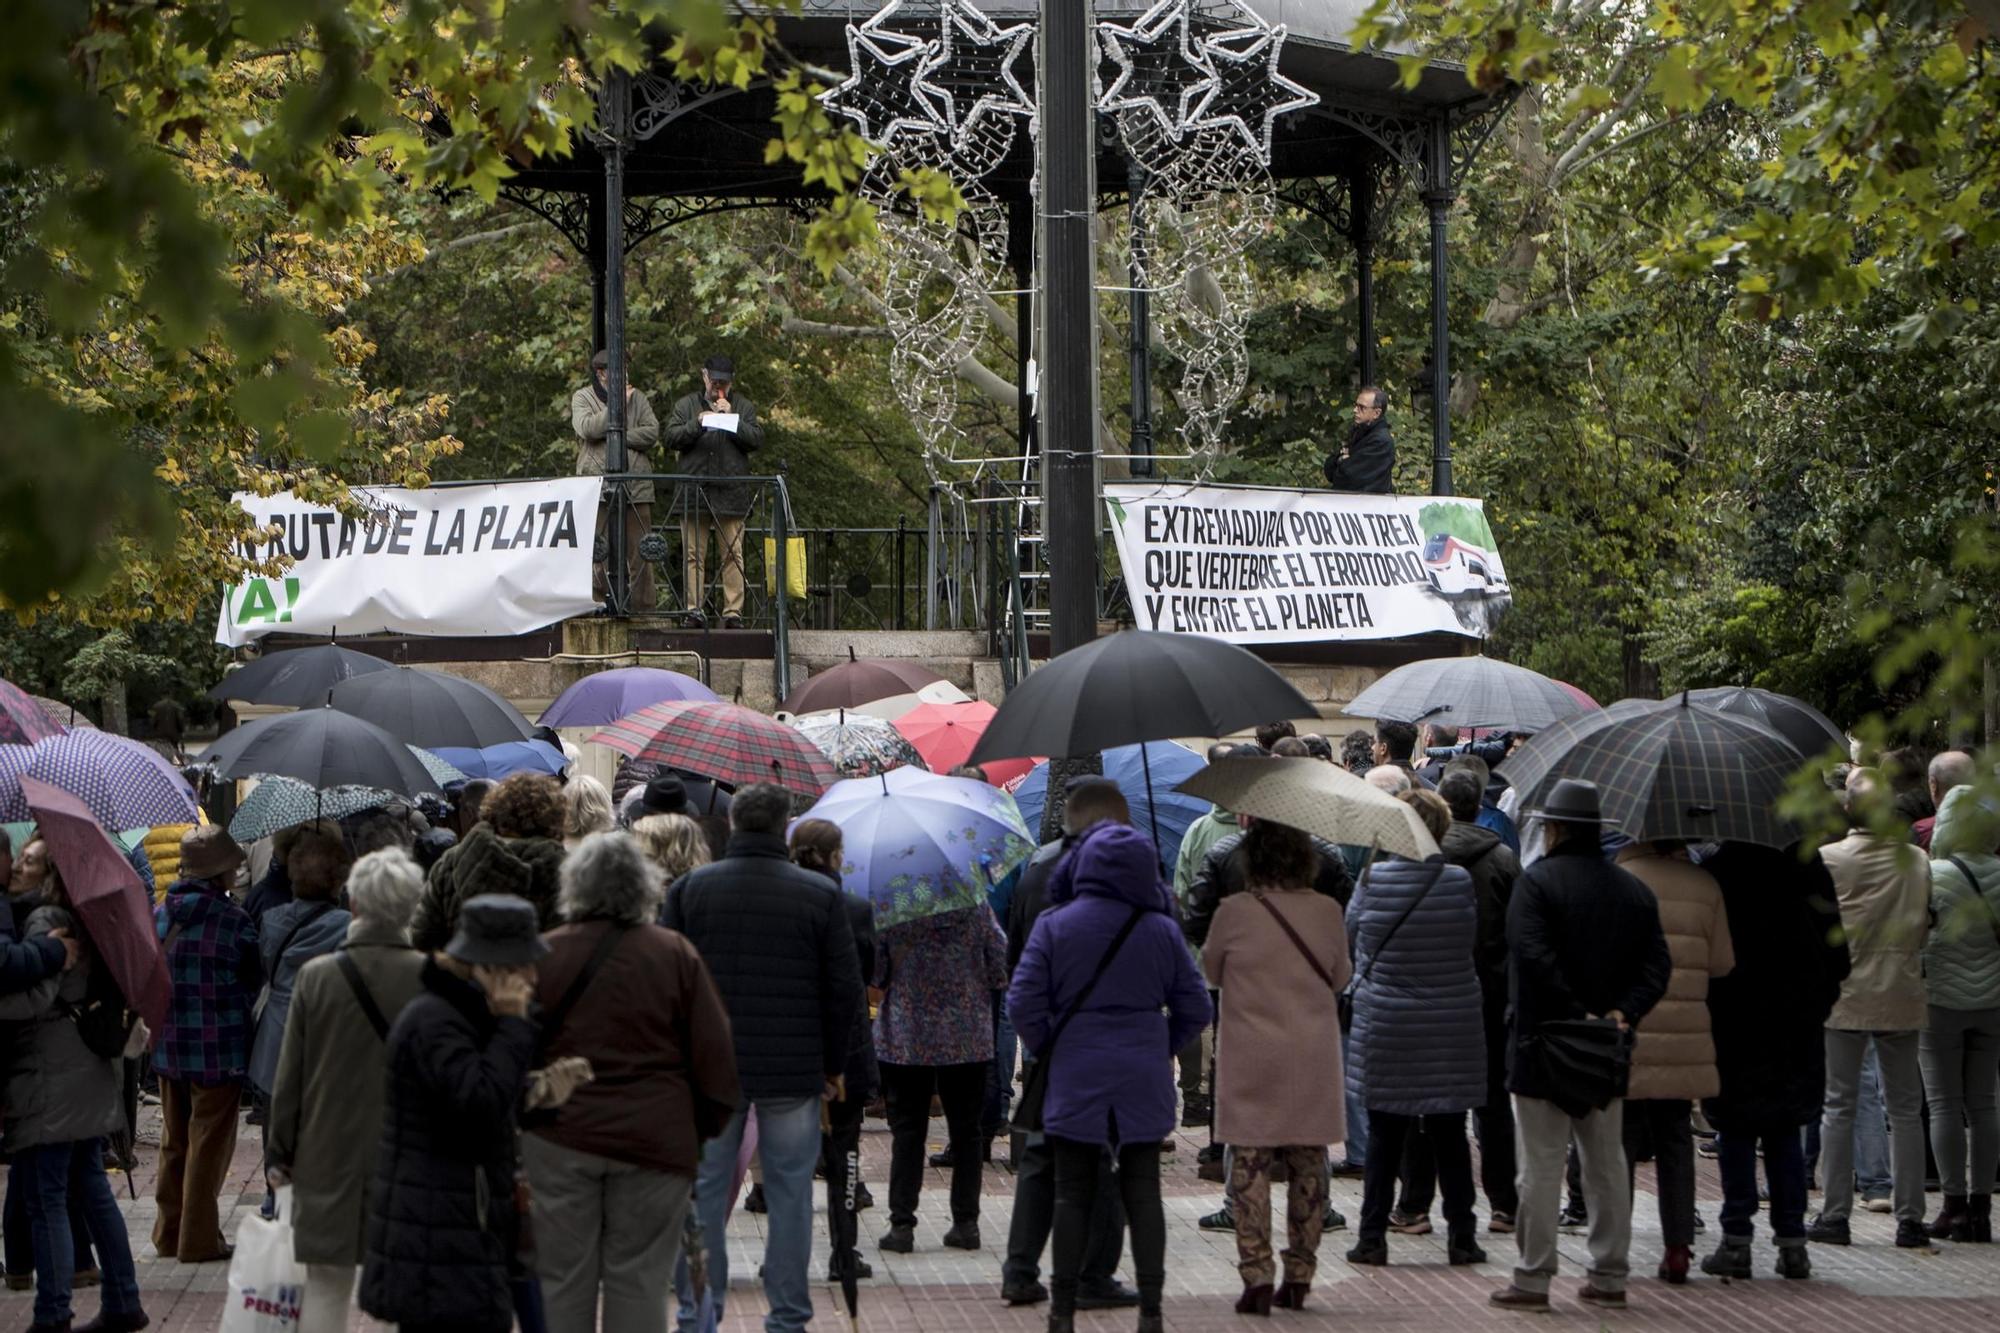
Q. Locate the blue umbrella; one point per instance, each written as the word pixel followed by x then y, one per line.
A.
pixel 508 757
pixel 1164 815
pixel 921 845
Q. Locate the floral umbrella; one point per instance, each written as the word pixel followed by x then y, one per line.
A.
pixel 859 745
pixel 920 845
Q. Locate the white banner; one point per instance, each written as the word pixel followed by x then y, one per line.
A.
pixel 1271 566
pixel 496 559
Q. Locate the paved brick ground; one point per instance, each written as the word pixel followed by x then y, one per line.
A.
pixel 1871 1286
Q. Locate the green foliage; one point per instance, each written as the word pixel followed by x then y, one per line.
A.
pixel 196 192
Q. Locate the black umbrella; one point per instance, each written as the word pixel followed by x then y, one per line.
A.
pixel 322 748
pixel 430 709
pixel 296 678
pixel 1136 686
pixel 1808 729
pixel 1667 770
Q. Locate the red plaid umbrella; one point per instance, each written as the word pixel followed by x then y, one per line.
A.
pixel 108 896
pixel 723 741
pixel 944 735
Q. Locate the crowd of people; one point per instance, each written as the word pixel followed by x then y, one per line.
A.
pixel 509 1057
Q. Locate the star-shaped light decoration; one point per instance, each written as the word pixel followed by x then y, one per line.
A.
pixel 884 94
pixel 1249 94
pixel 1162 71
pixel 969 71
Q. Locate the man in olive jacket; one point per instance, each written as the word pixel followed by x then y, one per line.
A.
pixel 588 410
pixel 698 428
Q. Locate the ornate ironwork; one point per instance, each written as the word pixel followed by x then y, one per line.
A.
pixel 1328 198
pixel 1472 127
pixel 648 217
pixel 1403 138
pixel 567 212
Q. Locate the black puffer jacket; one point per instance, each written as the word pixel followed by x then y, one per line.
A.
pixel 1768 1014
pixel 777 940
pixel 1226 871
pixel 484 862
pixel 441 1219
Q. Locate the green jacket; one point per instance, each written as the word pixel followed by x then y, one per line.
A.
pixel 1202 835
pixel 1962 952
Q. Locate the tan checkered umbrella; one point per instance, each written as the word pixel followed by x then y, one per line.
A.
pixel 1316 796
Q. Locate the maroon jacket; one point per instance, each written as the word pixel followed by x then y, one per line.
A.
pixel 656 1034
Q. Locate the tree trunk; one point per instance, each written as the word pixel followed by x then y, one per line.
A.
pixel 111 706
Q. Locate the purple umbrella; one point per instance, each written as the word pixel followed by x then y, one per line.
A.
pixel 22 720
pixel 603 697
pixel 126 785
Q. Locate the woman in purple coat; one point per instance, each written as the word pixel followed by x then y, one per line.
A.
pixel 1111 1078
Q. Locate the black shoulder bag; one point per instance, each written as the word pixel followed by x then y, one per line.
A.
pixel 359 985
pixel 1346 997
pixel 1035 1084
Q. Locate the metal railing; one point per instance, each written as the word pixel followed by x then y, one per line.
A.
pixel 973 564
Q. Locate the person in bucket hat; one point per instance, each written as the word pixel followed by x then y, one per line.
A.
pixel 1583 941
pixel 458 1061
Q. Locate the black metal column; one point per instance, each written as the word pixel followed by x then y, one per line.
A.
pixel 1068 398
pixel 615 113
pixel 1141 346
pixel 1361 196
pixel 1438 195
pixel 594 252
pixel 1021 256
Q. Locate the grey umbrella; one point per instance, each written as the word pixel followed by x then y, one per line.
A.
pixel 1672 770
pixel 1468 692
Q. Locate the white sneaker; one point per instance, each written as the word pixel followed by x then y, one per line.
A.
pixel 1878 1205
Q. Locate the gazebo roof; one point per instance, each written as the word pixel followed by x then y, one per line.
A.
pixel 709 144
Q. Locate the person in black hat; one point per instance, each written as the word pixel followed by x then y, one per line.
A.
pixel 664 795
pixel 711 444
pixel 588 412
pixel 1584 941
pixel 458 1059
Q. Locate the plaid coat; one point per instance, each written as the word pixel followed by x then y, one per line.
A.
pixel 215 970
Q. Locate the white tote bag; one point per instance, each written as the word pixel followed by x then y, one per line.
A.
pixel 267 1286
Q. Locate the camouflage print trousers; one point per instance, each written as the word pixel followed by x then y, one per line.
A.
pixel 1305 1211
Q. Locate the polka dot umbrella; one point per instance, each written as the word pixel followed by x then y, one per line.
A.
pixel 127 785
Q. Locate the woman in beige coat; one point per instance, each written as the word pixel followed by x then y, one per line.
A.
pixel 326 1107
pixel 1278 954
pixel 1673 1063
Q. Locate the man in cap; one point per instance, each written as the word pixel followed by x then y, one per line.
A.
pixel 715 430
pixel 1584 941
pixel 588 412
